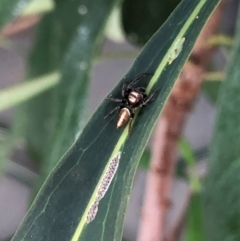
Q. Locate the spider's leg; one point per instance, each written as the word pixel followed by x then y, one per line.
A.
pixel 125 92
pixel 145 96
pixel 141 89
pixel 117 108
pixel 113 99
pixel 150 98
pixel 134 81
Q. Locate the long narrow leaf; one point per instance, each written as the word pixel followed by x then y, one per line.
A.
pixel 66 205
pixel 222 193
pixel 16 95
pixel 68 39
pixel 195 227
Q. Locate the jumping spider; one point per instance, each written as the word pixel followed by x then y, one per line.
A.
pixel 132 99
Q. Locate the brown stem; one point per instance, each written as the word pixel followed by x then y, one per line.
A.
pixel 20 24
pixel 169 128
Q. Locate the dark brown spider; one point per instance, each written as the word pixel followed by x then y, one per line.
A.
pixel 132 99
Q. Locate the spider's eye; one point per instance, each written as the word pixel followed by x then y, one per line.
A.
pixel 134 97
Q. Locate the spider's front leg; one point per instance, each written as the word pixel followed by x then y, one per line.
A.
pixel 127 87
pixel 116 108
pixel 142 90
pixel 148 99
pixel 125 92
pixel 114 99
pixel 112 111
pixel 135 80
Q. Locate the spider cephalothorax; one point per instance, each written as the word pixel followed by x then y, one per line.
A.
pixel 132 99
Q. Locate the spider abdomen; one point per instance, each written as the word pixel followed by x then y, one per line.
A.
pixel 124 117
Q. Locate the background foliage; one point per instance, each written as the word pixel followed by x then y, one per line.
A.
pixel 68 39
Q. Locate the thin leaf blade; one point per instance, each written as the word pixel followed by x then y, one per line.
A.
pixel 195 227
pixel 221 193
pixel 75 182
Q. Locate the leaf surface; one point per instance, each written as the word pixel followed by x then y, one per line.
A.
pixel 222 195
pixel 195 227
pixel 141 19
pixel 68 39
pixel 67 198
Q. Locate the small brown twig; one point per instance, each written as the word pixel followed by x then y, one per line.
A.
pixel 169 128
pixel 20 24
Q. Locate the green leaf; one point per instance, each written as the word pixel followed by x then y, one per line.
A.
pixel 9 9
pixel 46 56
pixel 195 227
pixel 145 159
pixel 67 39
pixel 5 142
pixel 221 201
pixel 38 6
pixel 70 195
pixel 15 96
pixel 187 152
pixel 141 19
pixel 191 162
pixel 212 89
pixel 72 90
pixel 23 92
pixel 222 194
